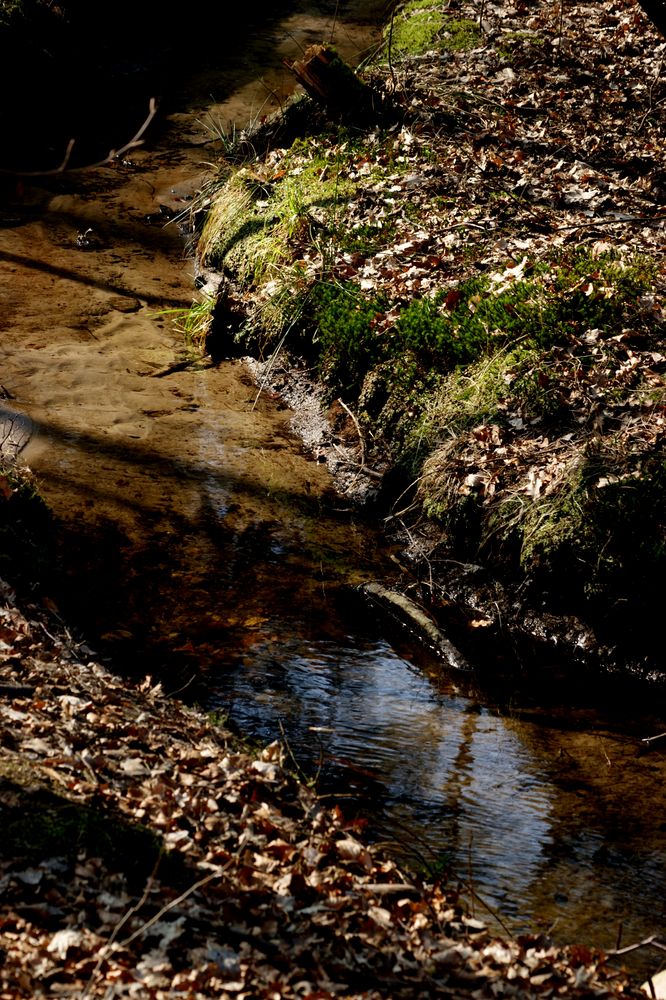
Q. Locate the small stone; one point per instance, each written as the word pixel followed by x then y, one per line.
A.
pixel 124 303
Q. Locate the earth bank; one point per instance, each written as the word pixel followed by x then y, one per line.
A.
pixel 477 280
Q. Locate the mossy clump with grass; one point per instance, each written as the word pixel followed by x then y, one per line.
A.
pixel 475 348
pixel 264 223
pixel 39 822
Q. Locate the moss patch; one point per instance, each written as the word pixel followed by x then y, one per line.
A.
pixel 417 28
pixel 420 26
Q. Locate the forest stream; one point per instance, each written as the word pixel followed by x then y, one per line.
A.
pixel 202 542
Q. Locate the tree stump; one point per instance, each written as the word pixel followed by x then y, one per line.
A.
pixel 332 83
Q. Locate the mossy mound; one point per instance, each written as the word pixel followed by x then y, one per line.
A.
pixel 502 357
pixel 39 822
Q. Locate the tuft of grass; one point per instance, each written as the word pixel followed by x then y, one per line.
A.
pixel 193 323
pixel 262 222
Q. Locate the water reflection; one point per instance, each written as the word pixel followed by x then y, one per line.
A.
pixel 528 815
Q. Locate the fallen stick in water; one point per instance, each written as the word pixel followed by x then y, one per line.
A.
pixel 416 618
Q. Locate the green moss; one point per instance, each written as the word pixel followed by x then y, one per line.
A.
pixel 417 28
pixel 606 518
pixel 461 35
pixel 347 344
pixel 544 306
pixel 421 26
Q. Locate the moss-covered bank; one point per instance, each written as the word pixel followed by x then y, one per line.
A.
pixel 480 279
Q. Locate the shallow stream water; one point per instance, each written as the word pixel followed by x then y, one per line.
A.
pixel 201 541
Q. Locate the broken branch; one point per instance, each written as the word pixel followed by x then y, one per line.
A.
pixel 113 154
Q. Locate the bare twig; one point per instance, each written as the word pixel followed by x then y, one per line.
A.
pixel 649 740
pixel 103 952
pixel 112 155
pixel 654 941
pixel 560 27
pixel 335 21
pixel 361 439
pixel 175 902
pixel 394 82
pixel 491 910
pixel 361 468
pixel 618 940
pixel 299 770
pixel 650 105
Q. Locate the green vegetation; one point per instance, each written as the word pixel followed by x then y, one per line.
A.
pixel 193 323
pixel 417 27
pixel 508 343
pixel 9 9
pixel 421 26
pixel 343 319
pixel 472 340
pixel 461 34
pixel 607 517
pixel 489 367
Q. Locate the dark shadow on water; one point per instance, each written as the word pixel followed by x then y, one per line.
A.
pixel 90 76
pixel 164 582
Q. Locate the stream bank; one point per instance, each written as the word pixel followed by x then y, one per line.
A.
pixel 478 282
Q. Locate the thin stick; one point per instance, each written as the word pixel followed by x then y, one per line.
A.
pixel 335 21
pixel 651 106
pixel 109 158
pixel 174 902
pixel 274 356
pixel 394 82
pixel 493 912
pixel 119 926
pixel 469 870
pixel 358 429
pixel 618 939
pixel 652 941
pixel 649 740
